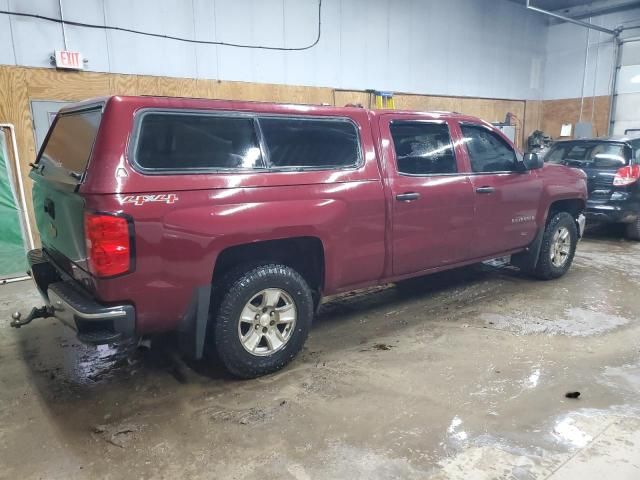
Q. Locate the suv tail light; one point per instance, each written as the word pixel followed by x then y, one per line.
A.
pixel 109 247
pixel 627 175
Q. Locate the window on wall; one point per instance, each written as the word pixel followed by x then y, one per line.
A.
pixel 423 148
pixel 310 143
pixel 197 141
pixel 488 151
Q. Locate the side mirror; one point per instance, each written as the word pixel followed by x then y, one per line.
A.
pixel 531 161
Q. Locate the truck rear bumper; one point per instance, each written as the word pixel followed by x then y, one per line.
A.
pixel 94 322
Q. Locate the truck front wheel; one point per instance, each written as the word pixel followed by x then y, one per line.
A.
pixel 263 320
pixel 558 247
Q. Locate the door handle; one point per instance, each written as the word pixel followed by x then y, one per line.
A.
pixel 407 197
pixel 485 190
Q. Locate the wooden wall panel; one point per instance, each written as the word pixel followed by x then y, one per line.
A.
pixel 176 87
pixel 491 110
pixel 123 85
pixel 557 112
pixel 146 85
pixel 19 85
pixel 49 84
pixel 532 117
pixel 352 97
pixel 14 109
pixel 206 88
pixel 272 93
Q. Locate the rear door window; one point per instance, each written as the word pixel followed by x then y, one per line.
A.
pixel 70 142
pixel 169 141
pixel 423 148
pixel 488 151
pixel 310 143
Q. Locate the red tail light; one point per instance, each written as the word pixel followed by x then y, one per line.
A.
pixel 108 240
pixel 627 175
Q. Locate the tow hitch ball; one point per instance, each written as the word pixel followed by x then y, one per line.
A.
pixel 42 312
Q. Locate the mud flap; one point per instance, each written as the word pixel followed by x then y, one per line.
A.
pixel 528 259
pixel 192 330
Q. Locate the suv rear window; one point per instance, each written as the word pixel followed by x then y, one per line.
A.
pixel 196 141
pixel 310 143
pixel 588 154
pixel 71 140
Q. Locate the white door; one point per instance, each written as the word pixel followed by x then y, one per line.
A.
pixel 626 117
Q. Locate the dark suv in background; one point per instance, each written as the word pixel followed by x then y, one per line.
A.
pixel 612 166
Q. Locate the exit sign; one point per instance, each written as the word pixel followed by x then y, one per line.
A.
pixel 69 60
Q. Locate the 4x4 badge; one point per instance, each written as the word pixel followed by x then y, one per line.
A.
pixel 142 199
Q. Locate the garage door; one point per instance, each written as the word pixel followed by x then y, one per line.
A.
pixel 626 115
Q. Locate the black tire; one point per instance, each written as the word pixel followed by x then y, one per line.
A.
pixel 236 291
pixel 545 269
pixel 633 230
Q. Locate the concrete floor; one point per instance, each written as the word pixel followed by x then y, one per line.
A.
pixel 460 376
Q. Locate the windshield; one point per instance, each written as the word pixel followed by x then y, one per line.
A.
pixel 588 154
pixel 71 140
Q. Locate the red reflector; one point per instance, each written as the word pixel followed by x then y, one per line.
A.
pixel 108 244
pixel 627 175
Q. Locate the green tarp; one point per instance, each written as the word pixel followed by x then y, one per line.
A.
pixel 12 244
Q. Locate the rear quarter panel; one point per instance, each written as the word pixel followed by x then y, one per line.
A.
pixel 177 243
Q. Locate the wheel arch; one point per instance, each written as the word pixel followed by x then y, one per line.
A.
pixel 573 206
pixel 305 254
pixel 528 259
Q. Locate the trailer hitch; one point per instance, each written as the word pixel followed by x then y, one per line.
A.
pixel 42 312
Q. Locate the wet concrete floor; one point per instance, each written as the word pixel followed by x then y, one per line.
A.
pixel 461 375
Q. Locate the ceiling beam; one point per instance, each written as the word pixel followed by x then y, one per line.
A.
pixel 599 7
pixel 564 18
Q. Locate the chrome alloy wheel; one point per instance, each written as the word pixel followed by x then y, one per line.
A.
pixel 267 322
pixel 560 247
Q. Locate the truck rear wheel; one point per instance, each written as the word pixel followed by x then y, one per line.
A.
pixel 558 247
pixel 263 320
pixel 633 229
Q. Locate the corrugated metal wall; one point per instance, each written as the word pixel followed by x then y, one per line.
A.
pixel 484 48
pixel 565 56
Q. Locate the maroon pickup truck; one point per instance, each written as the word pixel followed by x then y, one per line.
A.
pixel 228 221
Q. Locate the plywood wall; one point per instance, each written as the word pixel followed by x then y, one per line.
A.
pixel 491 110
pixel 557 112
pixel 19 85
pixel 532 117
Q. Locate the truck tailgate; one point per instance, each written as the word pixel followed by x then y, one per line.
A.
pixel 59 170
